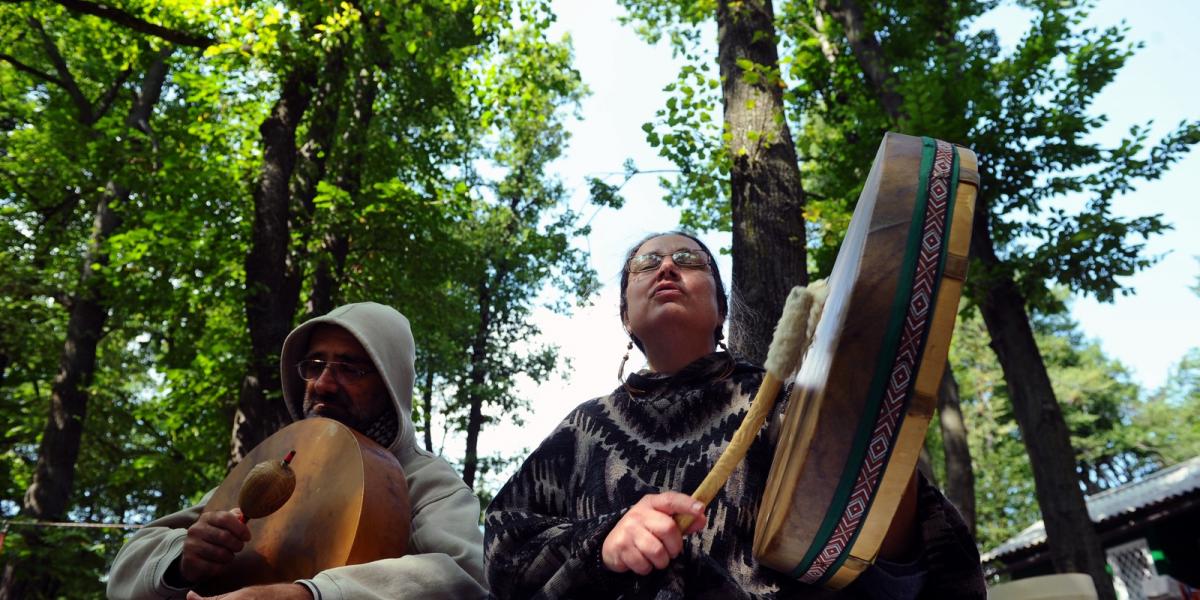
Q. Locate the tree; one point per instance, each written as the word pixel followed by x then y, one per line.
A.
pixel 87 301
pixel 960 473
pixel 519 233
pixel 1004 498
pixel 1119 436
pixel 766 201
pixel 378 205
pixel 1167 424
pixel 166 235
pixel 310 194
pixel 1099 402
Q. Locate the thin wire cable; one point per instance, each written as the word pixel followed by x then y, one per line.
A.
pixel 8 524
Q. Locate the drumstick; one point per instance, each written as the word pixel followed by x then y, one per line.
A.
pixel 792 336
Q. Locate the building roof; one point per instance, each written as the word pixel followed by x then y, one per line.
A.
pixel 1171 482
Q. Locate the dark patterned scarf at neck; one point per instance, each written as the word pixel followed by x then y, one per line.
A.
pixel 663 407
pixel 717 365
pixel 384 429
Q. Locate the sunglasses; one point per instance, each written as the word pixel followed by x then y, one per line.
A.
pixel 687 259
pixel 310 369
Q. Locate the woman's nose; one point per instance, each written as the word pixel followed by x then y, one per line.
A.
pixel 667 267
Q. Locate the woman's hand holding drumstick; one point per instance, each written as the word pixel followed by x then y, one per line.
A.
pixel 646 538
pixel 651 533
pixel 793 334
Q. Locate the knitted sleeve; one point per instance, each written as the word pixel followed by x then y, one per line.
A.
pixel 543 531
pixel 948 550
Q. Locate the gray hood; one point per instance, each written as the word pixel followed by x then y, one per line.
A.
pixel 387 338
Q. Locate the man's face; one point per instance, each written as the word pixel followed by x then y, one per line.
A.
pixel 344 393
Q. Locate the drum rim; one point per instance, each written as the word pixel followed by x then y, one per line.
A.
pixel 842 523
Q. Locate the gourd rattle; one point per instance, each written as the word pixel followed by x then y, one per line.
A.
pixel 267 487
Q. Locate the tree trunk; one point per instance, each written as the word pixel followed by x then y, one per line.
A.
pixel 49 494
pixel 428 397
pixel 311 167
pixel 475 385
pixel 331 263
pixel 272 277
pixel 960 476
pixel 1070 534
pixel 330 270
pixel 767 199
pixel 866 50
pixel 313 155
pixel 925 465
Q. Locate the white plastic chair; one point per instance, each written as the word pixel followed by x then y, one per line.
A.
pixel 1063 586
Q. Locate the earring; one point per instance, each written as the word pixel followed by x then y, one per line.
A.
pixel 730 361
pixel 629 389
pixel 621 369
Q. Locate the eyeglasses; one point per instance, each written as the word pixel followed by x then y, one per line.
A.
pixel 310 369
pixel 688 259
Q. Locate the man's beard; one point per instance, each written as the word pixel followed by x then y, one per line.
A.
pixel 382 427
pixel 339 407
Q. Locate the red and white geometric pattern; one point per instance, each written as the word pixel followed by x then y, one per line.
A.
pixel 904 369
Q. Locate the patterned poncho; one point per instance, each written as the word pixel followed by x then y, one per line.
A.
pixel 545 528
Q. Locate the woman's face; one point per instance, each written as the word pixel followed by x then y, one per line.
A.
pixel 671 295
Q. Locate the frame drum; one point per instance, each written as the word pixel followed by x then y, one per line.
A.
pixel 350 506
pixel 857 413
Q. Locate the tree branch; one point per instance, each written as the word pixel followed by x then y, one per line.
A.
pixel 125 19
pixel 866 49
pixel 24 68
pixel 64 74
pixel 827 48
pixel 105 101
pixel 143 106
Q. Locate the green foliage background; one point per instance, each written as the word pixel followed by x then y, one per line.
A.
pixel 453 190
pixel 459 221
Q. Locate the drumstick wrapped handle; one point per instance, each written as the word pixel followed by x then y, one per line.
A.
pixel 792 336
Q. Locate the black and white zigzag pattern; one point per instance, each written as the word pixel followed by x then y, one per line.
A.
pixel 544 529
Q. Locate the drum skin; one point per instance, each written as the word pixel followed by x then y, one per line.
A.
pixel 350 506
pixel 816 522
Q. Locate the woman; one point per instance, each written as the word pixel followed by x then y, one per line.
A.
pixel 591 512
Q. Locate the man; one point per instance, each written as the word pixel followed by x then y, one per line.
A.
pixel 354 365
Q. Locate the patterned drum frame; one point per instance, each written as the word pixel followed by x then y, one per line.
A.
pixel 859 408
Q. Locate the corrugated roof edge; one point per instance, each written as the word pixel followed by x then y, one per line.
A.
pixel 1161 485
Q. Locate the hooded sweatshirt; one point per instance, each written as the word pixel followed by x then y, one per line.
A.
pixel 445 550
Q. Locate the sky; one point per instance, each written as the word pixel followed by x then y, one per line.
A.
pixel 1148 331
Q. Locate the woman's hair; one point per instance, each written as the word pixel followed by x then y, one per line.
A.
pixel 722 301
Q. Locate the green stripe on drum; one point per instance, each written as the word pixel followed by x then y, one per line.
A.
pixel 826 554
pixel 950 196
